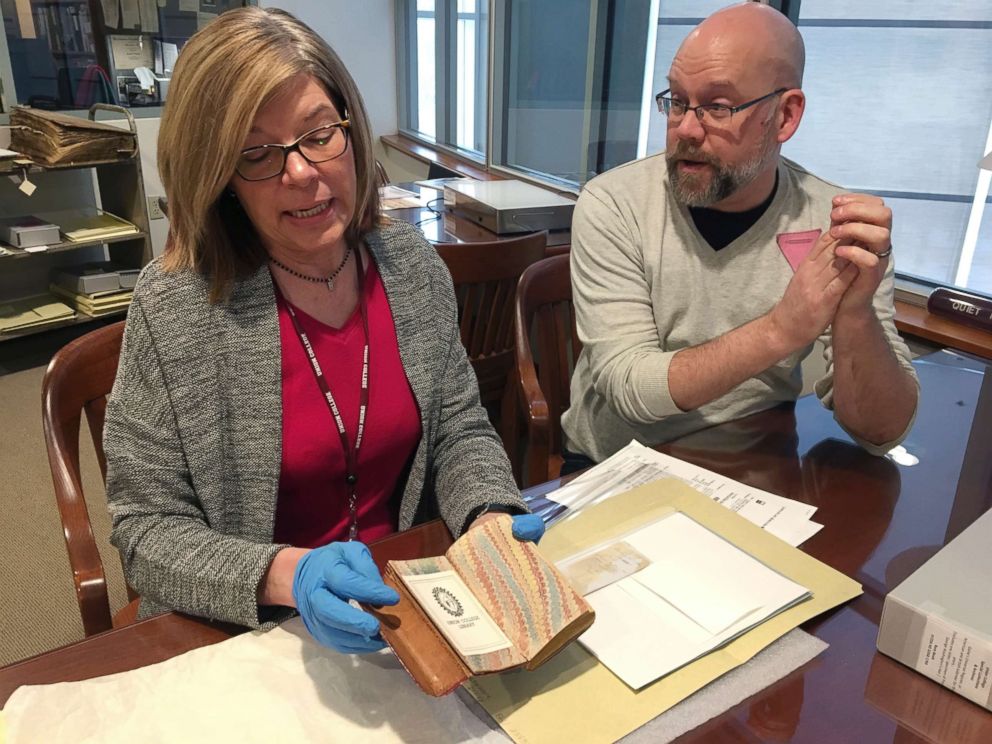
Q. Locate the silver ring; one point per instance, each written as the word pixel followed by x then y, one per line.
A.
pixel 885 253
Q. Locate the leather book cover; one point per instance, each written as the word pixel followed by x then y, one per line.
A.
pixel 491 603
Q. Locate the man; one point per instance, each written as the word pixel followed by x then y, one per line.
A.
pixel 703 275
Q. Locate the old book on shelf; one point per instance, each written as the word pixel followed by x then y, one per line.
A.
pixel 57 139
pixel 489 604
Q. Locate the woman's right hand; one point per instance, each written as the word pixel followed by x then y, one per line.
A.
pixel 325 580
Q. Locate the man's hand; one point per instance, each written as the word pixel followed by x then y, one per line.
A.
pixel 862 225
pixel 813 295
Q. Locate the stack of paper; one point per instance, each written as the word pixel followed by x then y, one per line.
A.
pixel 31 312
pixel 54 139
pixel 692 591
pixel 636 465
pixel 8 159
pixel 89 223
pixel 96 304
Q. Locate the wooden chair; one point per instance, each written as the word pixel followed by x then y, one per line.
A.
pixel 485 277
pixel 381 177
pixel 79 378
pixel 539 393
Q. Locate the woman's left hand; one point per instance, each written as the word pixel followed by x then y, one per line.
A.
pixel 528 527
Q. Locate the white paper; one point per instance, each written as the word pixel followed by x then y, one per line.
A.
pixel 279 686
pixel 35 249
pixel 957 659
pixel 149 15
pixel 111 13
pixel 131 51
pixel 130 16
pixel 438 184
pixel 698 593
pixel 636 465
pixel 168 53
pixel 395 192
pixel 456 612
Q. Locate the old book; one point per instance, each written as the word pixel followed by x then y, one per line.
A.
pixel 56 139
pixel 489 604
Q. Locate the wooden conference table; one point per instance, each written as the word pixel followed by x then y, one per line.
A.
pixel 884 517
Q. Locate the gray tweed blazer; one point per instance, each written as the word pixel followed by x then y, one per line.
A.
pixel 194 429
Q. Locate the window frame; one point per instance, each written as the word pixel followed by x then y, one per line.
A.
pixel 446 17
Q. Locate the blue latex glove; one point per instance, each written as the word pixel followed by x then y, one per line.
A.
pixel 528 527
pixel 325 579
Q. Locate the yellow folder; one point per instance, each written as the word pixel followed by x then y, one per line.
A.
pixel 575 698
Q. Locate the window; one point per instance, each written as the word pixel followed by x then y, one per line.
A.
pixel 569 83
pixel 900 105
pixel 424 119
pixel 64 55
pixel 899 102
pixel 569 86
pixel 442 57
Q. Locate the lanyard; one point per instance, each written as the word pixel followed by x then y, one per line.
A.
pixel 350 452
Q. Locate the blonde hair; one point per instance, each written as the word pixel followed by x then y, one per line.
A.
pixel 227 72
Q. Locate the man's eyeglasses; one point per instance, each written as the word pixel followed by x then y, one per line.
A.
pixel 316 146
pixel 712 113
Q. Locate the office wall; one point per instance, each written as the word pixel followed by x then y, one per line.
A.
pixel 363 35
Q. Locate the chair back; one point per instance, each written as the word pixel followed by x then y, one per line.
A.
pixel 381 176
pixel 485 277
pixel 79 378
pixel 547 345
pixel 436 170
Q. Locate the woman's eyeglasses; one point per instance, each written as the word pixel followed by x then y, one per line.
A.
pixel 316 146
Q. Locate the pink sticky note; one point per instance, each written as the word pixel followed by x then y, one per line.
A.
pixel 795 246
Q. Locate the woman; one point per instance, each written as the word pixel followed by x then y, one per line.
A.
pixel 291 382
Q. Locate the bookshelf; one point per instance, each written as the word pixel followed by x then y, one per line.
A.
pixel 115 186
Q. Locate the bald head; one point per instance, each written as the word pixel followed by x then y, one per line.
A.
pixel 762 41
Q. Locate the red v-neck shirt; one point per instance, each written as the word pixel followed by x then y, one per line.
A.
pixel 312 509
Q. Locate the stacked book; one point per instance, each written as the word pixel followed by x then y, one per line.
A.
pixel 58 139
pixel 31 312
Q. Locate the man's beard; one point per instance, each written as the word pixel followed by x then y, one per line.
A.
pixel 724 181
